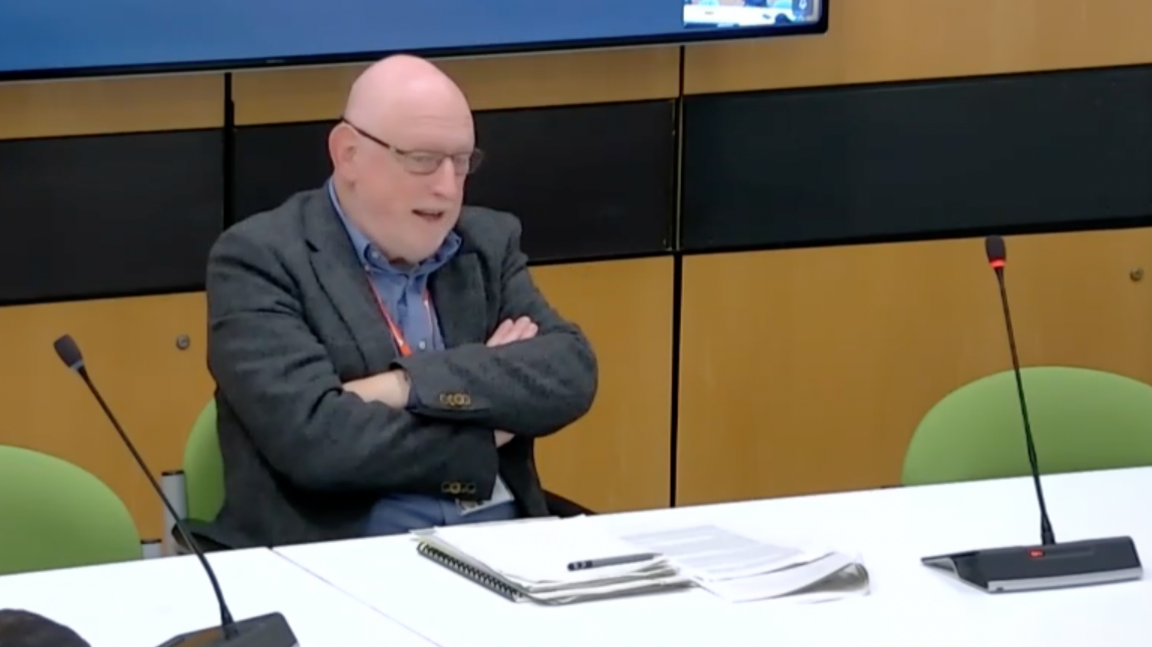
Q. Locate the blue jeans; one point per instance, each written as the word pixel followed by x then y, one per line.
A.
pixel 402 513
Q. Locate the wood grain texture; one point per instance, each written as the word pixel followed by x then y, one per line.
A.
pixel 155 389
pixel 808 370
pixel 107 106
pixel 618 457
pixel 491 83
pixel 893 40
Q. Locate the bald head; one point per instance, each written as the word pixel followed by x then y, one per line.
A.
pixel 401 155
pixel 400 87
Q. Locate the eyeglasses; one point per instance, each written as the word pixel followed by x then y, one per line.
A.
pixel 425 162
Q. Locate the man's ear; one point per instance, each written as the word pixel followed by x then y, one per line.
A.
pixel 342 148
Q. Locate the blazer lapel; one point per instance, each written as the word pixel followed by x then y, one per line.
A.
pixel 458 291
pixel 344 279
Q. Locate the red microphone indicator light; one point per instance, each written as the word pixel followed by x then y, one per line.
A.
pixel 997 252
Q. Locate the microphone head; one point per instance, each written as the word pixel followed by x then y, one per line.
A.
pixel 997 253
pixel 69 353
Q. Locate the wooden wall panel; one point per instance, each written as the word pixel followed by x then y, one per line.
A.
pixel 618 457
pixel 808 370
pixel 891 40
pixel 108 106
pixel 315 94
pixel 155 389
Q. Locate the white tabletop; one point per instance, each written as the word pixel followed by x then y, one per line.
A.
pixel 891 529
pixel 144 603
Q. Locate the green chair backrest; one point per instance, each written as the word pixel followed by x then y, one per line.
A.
pixel 204 467
pixel 53 514
pixel 1082 420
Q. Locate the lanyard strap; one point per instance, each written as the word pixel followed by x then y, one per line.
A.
pixel 397 334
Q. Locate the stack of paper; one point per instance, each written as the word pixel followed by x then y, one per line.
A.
pixel 740 569
pixel 532 558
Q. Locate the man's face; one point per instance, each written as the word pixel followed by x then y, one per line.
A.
pixel 409 181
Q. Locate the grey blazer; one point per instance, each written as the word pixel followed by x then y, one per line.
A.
pixel 291 318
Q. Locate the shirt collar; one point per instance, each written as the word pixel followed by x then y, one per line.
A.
pixel 367 253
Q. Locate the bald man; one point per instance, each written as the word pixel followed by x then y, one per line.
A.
pixel 383 360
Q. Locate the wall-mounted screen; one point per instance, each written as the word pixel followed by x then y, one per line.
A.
pixel 60 38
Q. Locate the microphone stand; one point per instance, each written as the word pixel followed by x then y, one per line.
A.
pixel 1048 565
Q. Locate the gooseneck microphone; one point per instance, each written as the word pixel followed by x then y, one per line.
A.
pixel 69 353
pixel 1048 565
pixel 997 257
pixel 271 630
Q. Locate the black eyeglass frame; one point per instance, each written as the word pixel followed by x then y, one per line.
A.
pixel 420 162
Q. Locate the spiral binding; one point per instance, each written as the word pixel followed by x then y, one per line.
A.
pixel 487 580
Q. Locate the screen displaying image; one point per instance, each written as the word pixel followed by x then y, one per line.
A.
pixel 717 14
pixel 56 38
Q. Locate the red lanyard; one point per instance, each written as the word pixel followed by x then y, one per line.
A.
pixel 397 334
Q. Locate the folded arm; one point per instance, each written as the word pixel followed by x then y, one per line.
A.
pixel 276 374
pixel 532 387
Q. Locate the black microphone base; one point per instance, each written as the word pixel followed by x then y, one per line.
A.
pixel 270 630
pixel 1035 568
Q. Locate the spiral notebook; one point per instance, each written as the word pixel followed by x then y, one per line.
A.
pixel 527 561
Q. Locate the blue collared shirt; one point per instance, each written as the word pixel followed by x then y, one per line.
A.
pixel 402 290
pixel 402 293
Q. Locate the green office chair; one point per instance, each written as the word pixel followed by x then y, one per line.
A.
pixel 1082 420
pixel 54 514
pixel 197 490
pixel 204 467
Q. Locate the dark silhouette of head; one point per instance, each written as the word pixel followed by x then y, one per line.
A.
pixel 25 629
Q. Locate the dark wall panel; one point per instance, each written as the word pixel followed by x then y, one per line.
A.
pixel 273 162
pixel 868 162
pixel 587 181
pixel 87 217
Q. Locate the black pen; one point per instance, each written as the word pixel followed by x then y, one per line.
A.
pixel 611 561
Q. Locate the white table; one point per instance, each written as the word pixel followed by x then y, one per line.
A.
pixel 144 603
pixel 909 604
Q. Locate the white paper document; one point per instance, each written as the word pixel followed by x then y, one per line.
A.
pixel 739 568
pixel 534 557
pixel 539 553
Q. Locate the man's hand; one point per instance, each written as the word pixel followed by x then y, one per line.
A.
pixel 513 330
pixel 390 388
pixel 502 438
